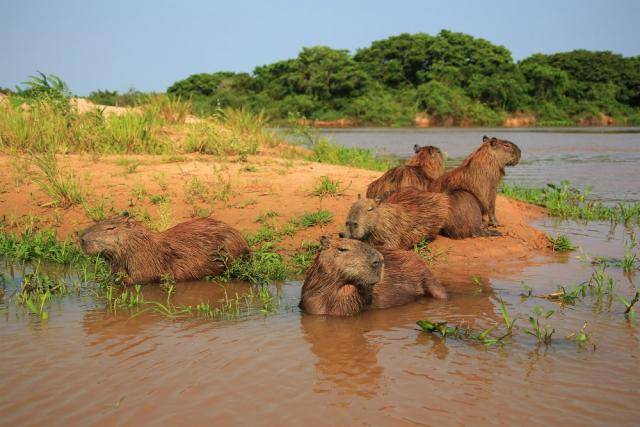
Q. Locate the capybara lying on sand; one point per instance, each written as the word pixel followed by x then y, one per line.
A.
pixel 188 251
pixel 349 276
pixel 400 222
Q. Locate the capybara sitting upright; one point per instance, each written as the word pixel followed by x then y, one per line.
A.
pixel 419 171
pixel 400 222
pixel 188 251
pixel 349 276
pixel 480 173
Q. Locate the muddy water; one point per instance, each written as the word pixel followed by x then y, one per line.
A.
pixel 90 366
pixel 607 160
pixel 86 365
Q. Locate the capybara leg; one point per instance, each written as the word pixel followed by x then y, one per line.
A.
pixel 434 288
pixel 493 221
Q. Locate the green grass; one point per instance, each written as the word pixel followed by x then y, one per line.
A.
pixel 302 259
pixel 40 246
pixel 327 152
pixel 326 187
pixel 263 266
pixel 310 219
pixel 98 211
pixel 62 187
pixel 560 243
pixel 567 202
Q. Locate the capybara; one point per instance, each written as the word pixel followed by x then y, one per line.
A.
pixel 465 216
pixel 480 174
pixel 419 171
pixel 400 222
pixel 188 251
pixel 349 276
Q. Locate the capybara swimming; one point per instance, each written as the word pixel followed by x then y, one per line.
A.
pixel 419 171
pixel 188 251
pixel 480 173
pixel 400 222
pixel 349 276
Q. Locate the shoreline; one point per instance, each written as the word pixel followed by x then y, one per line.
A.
pixel 254 187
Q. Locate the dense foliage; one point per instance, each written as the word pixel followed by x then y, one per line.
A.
pixel 452 78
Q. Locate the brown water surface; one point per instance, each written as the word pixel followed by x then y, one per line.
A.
pixel 86 365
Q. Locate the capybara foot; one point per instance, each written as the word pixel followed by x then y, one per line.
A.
pixel 436 290
pixel 487 232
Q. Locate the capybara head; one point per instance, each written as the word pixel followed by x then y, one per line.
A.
pixel 108 237
pixel 429 156
pixel 506 152
pixel 362 216
pixel 353 261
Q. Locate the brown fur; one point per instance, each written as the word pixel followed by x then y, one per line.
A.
pixel 400 222
pixel 465 216
pixel 480 173
pixel 348 277
pixel 419 171
pixel 188 251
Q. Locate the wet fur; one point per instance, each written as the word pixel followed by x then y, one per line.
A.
pixel 328 290
pixel 400 222
pixel 480 173
pixel 188 251
pixel 418 172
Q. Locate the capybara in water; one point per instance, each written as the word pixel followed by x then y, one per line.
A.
pixel 188 251
pixel 349 276
pixel 400 222
pixel 419 171
pixel 480 173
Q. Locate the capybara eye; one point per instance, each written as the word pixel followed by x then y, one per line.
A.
pixel 343 249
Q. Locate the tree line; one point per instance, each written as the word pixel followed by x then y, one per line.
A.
pixel 448 79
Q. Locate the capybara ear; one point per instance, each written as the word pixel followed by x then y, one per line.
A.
pixel 416 148
pixel 359 196
pixel 325 241
pixel 485 138
pixel 342 235
pixel 125 214
pixel 494 142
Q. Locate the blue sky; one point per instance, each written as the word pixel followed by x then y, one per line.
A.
pixel 150 44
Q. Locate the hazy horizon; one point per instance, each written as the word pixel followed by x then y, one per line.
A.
pixel 149 45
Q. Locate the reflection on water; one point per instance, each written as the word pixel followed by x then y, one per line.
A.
pixel 606 161
pixel 86 365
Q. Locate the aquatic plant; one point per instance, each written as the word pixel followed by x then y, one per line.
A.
pixel 542 333
pixel 560 243
pixel 568 202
